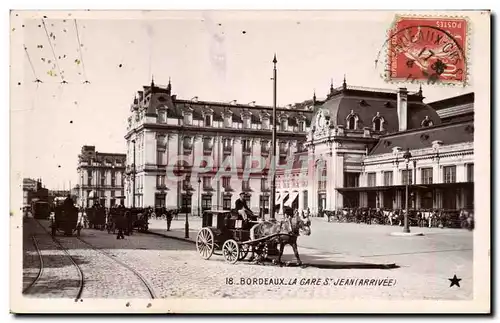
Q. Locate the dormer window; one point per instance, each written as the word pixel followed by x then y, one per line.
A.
pixel 426 122
pixel 228 119
pixel 352 121
pixel 378 122
pixel 188 119
pixel 264 120
pixel 208 120
pixel 162 116
pixel 246 122
pixel 284 124
pixel 302 125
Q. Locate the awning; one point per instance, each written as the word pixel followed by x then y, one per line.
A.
pixel 292 198
pixel 284 196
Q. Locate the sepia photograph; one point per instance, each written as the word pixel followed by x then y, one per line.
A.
pixel 212 161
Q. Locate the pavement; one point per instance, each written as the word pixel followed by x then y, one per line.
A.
pixel 174 269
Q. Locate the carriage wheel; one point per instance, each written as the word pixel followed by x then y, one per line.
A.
pixel 205 243
pixel 243 251
pixel 231 251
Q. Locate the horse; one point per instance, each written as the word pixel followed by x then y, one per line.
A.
pixel 287 231
pixel 467 218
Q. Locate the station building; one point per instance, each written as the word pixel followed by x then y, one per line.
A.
pixel 342 151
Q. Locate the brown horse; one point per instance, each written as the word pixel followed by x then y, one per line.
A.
pixel 285 232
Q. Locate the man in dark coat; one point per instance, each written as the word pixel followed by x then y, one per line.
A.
pixel 121 224
pixel 243 209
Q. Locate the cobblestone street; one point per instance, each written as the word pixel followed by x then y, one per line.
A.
pixel 173 268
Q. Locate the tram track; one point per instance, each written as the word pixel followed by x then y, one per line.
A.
pixel 40 269
pixel 79 270
pixel 135 272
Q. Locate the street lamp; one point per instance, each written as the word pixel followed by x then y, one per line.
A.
pixel 407 156
pixel 273 138
pixel 186 225
pixel 199 195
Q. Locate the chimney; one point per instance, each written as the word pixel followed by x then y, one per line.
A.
pixel 403 108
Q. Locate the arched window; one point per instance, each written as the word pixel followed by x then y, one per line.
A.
pixel 377 124
pixel 352 120
pixel 162 116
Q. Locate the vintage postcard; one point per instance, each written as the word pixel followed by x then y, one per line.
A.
pixel 250 161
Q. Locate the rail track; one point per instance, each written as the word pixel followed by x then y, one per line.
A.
pixel 40 272
pixel 135 272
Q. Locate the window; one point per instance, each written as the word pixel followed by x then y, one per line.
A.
pixel 388 178
pixel 103 178
pixel 206 202
pixel 247 145
pixel 450 174
pixel 265 123
pixel 264 147
pixel 208 120
pixel 160 180
pixel 377 124
pixel 188 119
pixel 228 121
pixel 407 176
pixel 159 156
pixel 264 186
pixel 227 147
pixel 283 124
pixel 89 177
pixel 322 180
pixel 245 185
pixel 226 202
pixel 351 179
pixel 246 122
pixel 162 116
pixel 186 184
pixel 302 126
pixel 113 179
pixel 426 175
pixel 207 182
pixel 372 179
pixel 351 123
pixel 226 182
pixel 470 172
pixel 207 144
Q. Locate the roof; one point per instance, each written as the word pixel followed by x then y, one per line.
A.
pixel 162 97
pixel 448 133
pixel 366 103
pixel 453 101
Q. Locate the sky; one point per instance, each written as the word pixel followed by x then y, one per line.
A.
pixel 219 56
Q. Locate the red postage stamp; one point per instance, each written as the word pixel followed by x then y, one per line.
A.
pixel 423 49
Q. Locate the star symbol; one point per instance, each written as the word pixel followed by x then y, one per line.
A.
pixel 454 281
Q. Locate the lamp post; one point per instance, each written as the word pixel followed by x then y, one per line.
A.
pixel 133 175
pixel 186 225
pixel 407 156
pixel 273 139
pixel 199 196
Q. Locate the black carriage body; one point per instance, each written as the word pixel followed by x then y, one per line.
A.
pixel 225 227
pixel 66 220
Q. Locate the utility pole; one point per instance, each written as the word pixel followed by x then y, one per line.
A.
pixel 273 156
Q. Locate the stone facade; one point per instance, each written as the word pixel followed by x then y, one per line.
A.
pixel 100 178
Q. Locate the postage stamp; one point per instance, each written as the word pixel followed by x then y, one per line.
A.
pixel 429 49
pixel 153 171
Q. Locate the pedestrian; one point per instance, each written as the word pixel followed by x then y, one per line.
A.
pixel 169 219
pixel 121 225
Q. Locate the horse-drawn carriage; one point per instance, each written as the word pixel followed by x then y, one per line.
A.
pixel 225 231
pixel 96 216
pixel 65 220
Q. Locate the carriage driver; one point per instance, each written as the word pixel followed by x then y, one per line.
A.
pixel 242 208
